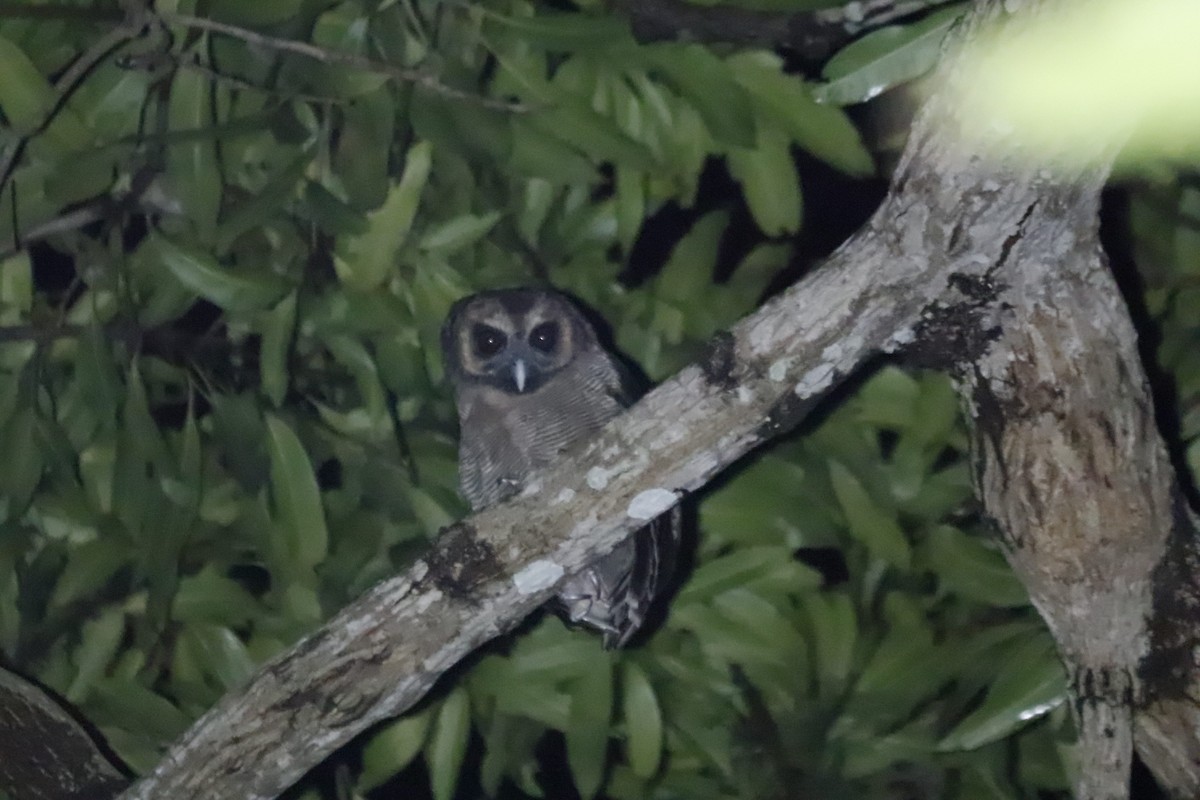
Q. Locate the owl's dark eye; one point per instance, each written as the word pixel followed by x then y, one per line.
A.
pixel 487 341
pixel 544 337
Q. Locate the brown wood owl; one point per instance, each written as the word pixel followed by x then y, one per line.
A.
pixel 531 381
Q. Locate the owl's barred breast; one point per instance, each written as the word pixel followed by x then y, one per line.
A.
pixel 505 438
pixel 532 383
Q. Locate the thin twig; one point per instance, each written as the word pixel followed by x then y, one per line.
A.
pixel 70 80
pixel 325 56
pixel 242 83
pixel 813 35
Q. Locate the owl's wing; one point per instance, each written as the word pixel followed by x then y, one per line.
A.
pixel 616 593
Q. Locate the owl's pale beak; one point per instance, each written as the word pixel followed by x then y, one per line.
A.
pixel 519 374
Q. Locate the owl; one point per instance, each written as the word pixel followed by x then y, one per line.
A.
pixel 531 381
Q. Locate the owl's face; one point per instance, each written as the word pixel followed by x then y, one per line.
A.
pixel 513 339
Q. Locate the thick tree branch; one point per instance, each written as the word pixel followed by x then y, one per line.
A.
pixel 47 754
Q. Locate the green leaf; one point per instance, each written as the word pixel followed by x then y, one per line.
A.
pixel 539 154
pixel 265 205
pixel 193 173
pixel 510 744
pixel 821 129
pixel 1031 685
pixel 365 260
pixel 27 99
pixel 970 569
pixel 870 524
pixel 459 233
pixel 219 653
pixel 127 705
pixel 448 743
pixel 197 270
pixel 835 630
pixel 643 721
pixel 21 468
pixel 769 182
pixel 587 731
pixel 353 355
pixel 591 133
pixel 364 148
pixel 887 400
pixel 210 597
pixel 392 748
pixel 101 638
pixel 631 204
pixel 885 58
pixel 689 270
pixel 905 669
pixel 744 565
pixel 278 327
pixel 708 83
pixel 89 567
pixel 297 500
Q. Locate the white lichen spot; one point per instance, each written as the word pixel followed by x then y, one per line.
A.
pixel 744 395
pixel 541 574
pixel 597 478
pixel 900 338
pixel 428 599
pixel 815 380
pixel 533 488
pixel 419 570
pixel 565 496
pixel 778 370
pixel 650 503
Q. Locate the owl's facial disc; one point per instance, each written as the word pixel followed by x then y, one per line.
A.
pixel 516 348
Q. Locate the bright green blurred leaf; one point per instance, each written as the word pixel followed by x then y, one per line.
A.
pixel 392 748
pixel 884 58
pixel 1031 684
pixel 587 732
pixel 297 500
pixel 769 182
pixel 365 260
pixel 448 743
pixel 869 523
pixel 643 720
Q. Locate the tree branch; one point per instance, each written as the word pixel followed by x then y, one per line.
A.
pixel 419 77
pixel 47 754
pixel 813 35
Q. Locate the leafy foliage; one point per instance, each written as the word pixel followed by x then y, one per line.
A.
pixel 222 405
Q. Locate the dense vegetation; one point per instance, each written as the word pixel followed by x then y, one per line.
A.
pixel 225 264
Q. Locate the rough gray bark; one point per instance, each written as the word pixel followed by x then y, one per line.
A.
pixel 47 754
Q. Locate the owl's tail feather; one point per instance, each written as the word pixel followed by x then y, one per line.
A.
pixel 616 593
